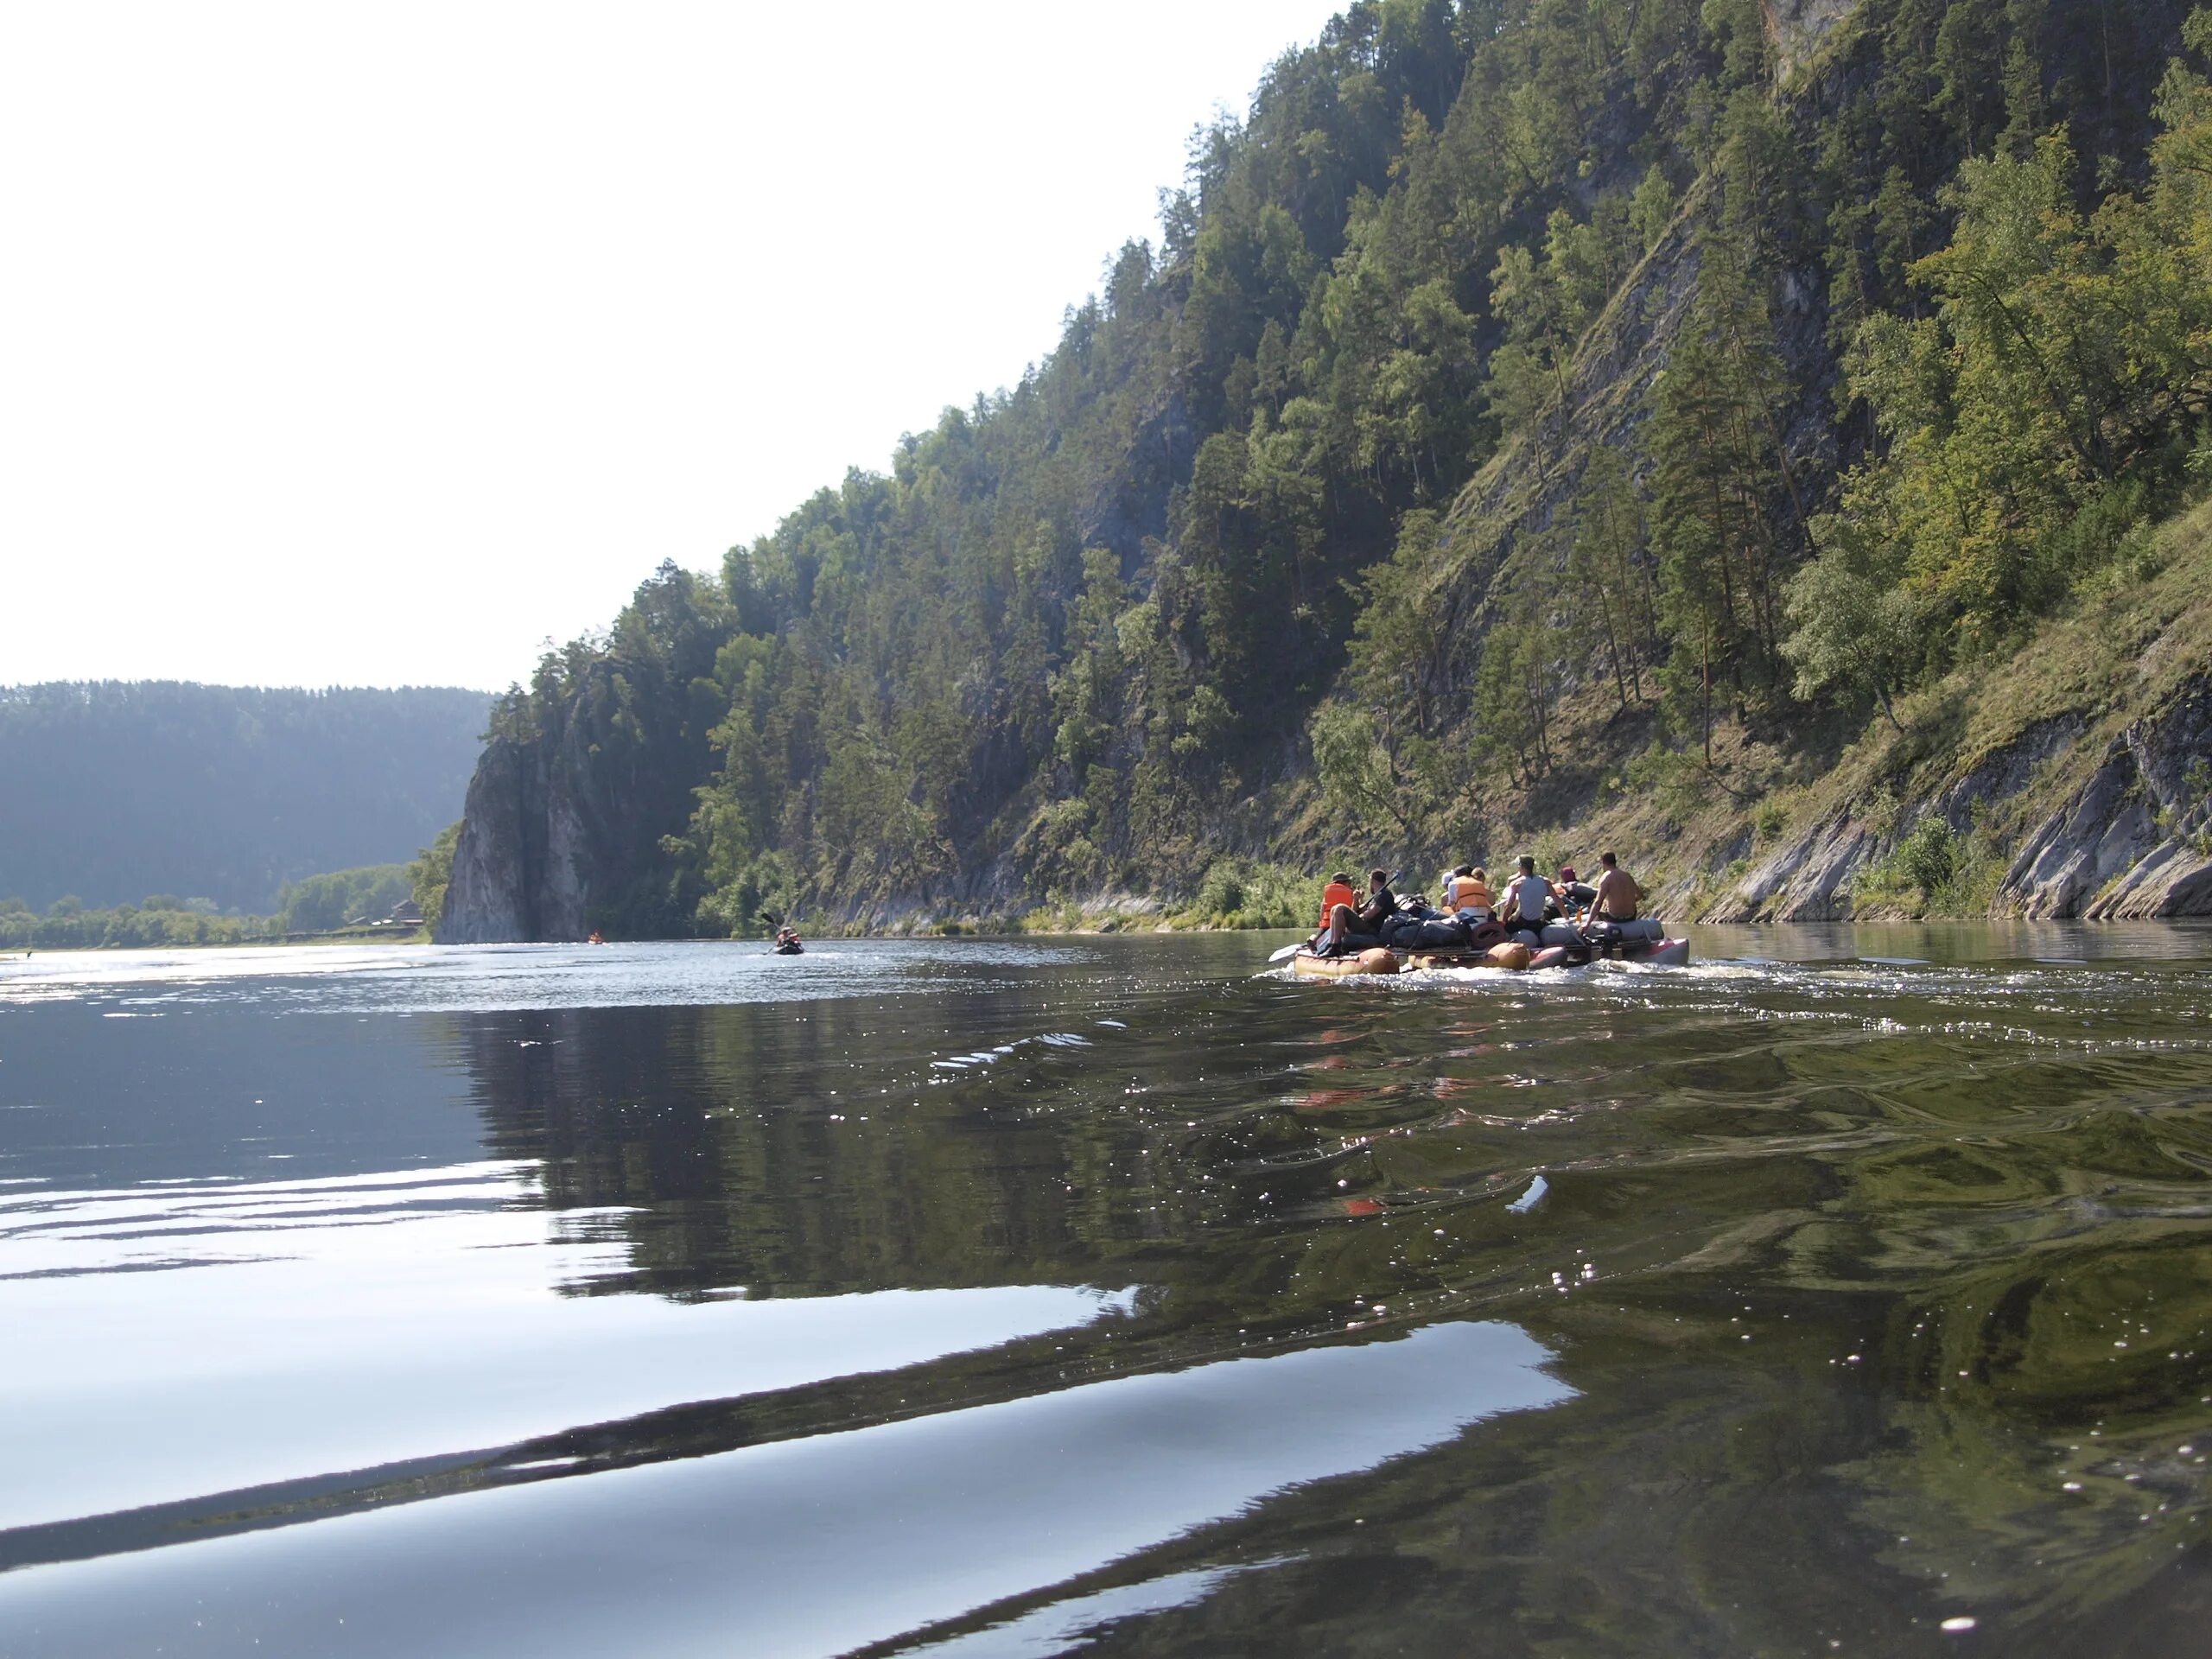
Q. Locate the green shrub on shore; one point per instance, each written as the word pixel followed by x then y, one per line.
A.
pixel 317 904
pixel 1768 819
pixel 1934 871
pixel 1243 893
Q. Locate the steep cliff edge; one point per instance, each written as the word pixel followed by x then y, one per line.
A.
pixel 586 779
pixel 1798 27
pixel 519 867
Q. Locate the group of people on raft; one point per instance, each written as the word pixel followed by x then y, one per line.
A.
pixel 1472 915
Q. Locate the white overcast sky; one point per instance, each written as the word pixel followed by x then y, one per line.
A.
pixel 372 345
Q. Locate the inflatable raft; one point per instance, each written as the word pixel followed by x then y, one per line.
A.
pixel 1306 965
pixel 1562 946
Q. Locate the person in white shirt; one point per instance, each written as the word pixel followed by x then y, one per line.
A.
pixel 1526 895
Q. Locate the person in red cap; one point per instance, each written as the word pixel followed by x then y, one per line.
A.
pixel 1573 894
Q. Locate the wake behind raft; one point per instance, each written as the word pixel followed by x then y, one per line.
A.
pixel 1563 945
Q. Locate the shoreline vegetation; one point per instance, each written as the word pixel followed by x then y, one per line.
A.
pixel 374 904
pixel 132 927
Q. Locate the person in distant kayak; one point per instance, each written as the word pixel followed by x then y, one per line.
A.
pixel 1467 895
pixel 1616 896
pixel 1526 896
pixel 1360 928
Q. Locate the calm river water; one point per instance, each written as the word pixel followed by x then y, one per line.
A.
pixel 1847 1292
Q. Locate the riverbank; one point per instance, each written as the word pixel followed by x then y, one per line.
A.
pixel 2070 777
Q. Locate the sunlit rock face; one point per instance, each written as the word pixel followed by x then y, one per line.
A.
pixel 1798 27
pixel 2135 842
pixel 559 824
pixel 2132 843
pixel 515 874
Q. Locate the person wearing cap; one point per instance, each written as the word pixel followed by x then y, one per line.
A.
pixel 1361 929
pixel 1339 892
pixel 1526 895
pixel 1573 894
pixel 1616 896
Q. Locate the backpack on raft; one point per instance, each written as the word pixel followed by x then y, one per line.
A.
pixel 1399 931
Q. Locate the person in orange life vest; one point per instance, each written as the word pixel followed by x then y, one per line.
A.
pixel 1467 895
pixel 1361 929
pixel 1339 892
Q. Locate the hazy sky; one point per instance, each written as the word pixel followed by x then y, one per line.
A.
pixel 373 345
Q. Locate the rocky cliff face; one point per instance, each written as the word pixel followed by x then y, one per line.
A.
pixel 2133 843
pixel 571 805
pixel 518 870
pixel 1798 27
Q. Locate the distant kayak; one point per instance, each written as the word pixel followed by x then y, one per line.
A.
pixel 790 948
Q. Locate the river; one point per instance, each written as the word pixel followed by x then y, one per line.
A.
pixel 1846 1291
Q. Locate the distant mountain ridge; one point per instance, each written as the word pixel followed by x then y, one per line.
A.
pixel 112 790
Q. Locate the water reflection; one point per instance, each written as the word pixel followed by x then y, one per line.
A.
pixel 323 1327
pixel 819 1545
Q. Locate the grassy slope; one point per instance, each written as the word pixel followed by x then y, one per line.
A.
pixel 2123 649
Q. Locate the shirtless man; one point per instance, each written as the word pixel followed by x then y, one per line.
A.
pixel 1617 893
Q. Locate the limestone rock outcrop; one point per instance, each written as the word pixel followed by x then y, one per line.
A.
pixel 2135 842
pixel 573 804
pixel 516 870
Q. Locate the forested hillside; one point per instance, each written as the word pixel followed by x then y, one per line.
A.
pixel 1530 407
pixel 113 791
